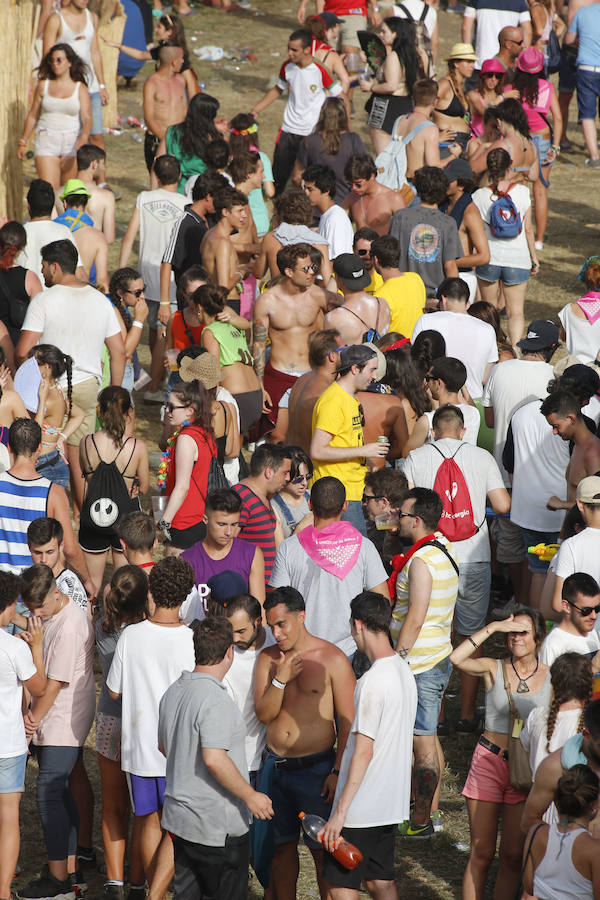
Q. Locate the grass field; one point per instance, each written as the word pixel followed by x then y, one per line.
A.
pixel 430 870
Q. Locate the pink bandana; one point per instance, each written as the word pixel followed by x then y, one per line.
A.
pixel 590 304
pixel 334 548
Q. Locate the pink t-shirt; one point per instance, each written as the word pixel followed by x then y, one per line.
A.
pixel 535 120
pixel 69 657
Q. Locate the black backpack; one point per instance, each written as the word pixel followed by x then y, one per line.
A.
pixel 107 499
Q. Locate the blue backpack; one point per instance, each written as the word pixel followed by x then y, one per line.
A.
pixel 505 219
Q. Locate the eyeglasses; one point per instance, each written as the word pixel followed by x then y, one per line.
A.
pixel 169 407
pixel 138 293
pixel 585 610
pixel 299 479
pixel 430 378
pixel 367 497
pixel 307 269
pixel 403 515
pixel 364 252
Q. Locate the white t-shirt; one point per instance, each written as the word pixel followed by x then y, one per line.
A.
pixel 468 339
pixel 16 666
pixel 38 235
pixel 76 319
pixel 492 16
pixel 308 88
pixel 580 553
pixel 385 706
pixel 533 735
pixel 512 384
pixel 336 229
pixel 560 641
pixel 481 474
pixel 148 659
pixel 541 460
pixel 505 251
pixel 415 8
pixel 472 423
pixel 158 210
pixel 239 682
pixel 68 583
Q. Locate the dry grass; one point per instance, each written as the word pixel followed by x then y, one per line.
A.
pixel 431 870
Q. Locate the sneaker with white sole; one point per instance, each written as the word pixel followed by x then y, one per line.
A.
pixel 408 829
pixel 437 820
pixel 592 164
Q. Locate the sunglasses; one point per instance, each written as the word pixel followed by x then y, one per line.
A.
pixel 299 479
pixel 137 294
pixel 364 252
pixel 492 75
pixel 169 407
pixel 307 269
pixel 403 515
pixel 518 43
pixel 585 610
pixel 367 497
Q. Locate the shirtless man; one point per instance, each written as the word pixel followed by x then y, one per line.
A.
pixel 361 317
pixel 423 149
pixel 288 314
pixel 323 359
pixel 91 243
pixel 369 203
pixel 165 99
pixel 563 412
pixel 91 170
pixel 301 685
pixel 384 415
pixel 219 255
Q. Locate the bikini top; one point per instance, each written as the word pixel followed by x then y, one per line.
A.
pixel 455 109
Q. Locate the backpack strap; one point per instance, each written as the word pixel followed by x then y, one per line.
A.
pixel 407 13
pixel 423 15
pixel 444 550
pixel 415 131
pixel 285 510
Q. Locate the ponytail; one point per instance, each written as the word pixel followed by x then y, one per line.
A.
pixel 113 405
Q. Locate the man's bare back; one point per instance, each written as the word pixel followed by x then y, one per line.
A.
pixel 358 314
pixel 220 259
pixel 585 460
pixel 423 148
pixel 290 320
pixel 384 415
pixel 93 248
pixel 374 210
pixel 303 397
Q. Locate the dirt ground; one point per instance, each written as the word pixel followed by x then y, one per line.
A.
pixel 430 870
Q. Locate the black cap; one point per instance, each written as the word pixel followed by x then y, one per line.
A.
pixel 226 585
pixel 330 19
pixel 351 270
pixel 459 168
pixel 541 334
pixel 355 355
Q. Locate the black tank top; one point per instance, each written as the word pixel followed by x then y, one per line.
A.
pixel 13 300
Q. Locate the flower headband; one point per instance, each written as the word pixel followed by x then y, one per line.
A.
pixel 243 132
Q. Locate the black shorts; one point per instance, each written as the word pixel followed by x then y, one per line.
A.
pixel 184 538
pixel 385 109
pixel 377 847
pixel 212 872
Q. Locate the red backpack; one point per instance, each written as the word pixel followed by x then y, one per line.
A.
pixel 457 522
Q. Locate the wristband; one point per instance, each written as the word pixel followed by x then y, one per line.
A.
pixel 137 324
pixel 278 684
pixel 102 87
pixel 469 638
pixel 22 143
pixel 334 771
pixel 165 303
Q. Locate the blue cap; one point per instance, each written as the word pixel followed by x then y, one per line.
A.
pixel 225 585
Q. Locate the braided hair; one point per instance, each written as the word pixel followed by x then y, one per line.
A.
pixel 119 283
pixel 498 164
pixel 571 677
pixel 60 363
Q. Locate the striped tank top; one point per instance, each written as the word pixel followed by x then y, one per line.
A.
pixel 433 643
pixel 21 501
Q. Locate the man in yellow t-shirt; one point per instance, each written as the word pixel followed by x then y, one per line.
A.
pixel 337 447
pixel 403 291
pixel 363 238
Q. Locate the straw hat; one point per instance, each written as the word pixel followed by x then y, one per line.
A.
pixel 205 368
pixel 462 51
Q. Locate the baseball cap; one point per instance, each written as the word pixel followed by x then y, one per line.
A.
pixel 330 19
pixel 541 333
pixel 381 360
pixel 226 585
pixel 530 60
pixel 351 270
pixel 588 490
pixel 459 168
pixel 354 355
pixel 492 65
pixel 74 186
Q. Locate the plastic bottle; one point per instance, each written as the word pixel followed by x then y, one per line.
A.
pixel 346 853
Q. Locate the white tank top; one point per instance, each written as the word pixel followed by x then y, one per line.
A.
pixel 81 42
pixel 556 878
pixel 582 338
pixel 60 113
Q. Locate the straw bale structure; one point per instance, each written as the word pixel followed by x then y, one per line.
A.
pixel 111 28
pixel 19 23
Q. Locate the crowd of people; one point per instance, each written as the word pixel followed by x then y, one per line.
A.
pixel 371 464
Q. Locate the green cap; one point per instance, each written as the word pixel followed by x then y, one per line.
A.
pixel 74 186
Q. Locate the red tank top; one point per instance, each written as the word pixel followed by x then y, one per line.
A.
pixel 192 509
pixel 181 332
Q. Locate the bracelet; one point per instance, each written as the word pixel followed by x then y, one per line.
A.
pixel 165 303
pixel 403 652
pixel 334 771
pixel 137 324
pixel 278 684
pixel 22 143
pixel 102 87
pixel 469 638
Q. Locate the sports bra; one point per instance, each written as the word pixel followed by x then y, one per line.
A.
pixel 455 109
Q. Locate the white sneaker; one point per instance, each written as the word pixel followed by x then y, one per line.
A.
pixel 539 245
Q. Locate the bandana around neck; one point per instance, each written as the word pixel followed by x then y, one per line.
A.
pixel 334 548
pixel 590 304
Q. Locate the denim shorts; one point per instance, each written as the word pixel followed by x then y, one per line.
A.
pixel 542 145
pixel 96 103
pixel 12 774
pixel 473 599
pixel 531 538
pixel 508 275
pixel 52 465
pixel 297 790
pixel 430 691
pixel 588 94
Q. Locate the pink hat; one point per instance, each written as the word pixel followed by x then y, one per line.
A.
pixel 492 65
pixel 530 60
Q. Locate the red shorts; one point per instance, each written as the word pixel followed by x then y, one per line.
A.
pixel 489 779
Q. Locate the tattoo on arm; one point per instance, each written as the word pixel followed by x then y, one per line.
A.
pixel 259 348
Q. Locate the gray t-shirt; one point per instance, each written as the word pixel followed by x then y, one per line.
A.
pixel 428 238
pixel 196 712
pixel 327 597
pixel 106 644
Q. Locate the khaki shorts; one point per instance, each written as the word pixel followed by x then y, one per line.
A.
pixel 351 25
pixel 85 395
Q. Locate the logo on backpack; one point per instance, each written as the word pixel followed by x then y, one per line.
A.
pixel 505 218
pixel 103 512
pixel 457 522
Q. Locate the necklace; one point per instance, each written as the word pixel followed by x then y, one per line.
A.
pixel 523 687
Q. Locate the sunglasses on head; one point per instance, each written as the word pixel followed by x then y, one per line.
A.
pixel 585 610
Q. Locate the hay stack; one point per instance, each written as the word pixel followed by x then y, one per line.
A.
pixel 19 22
pixel 113 30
